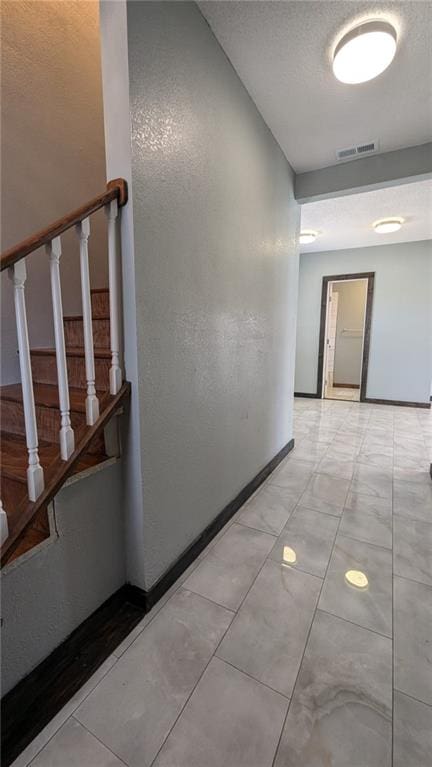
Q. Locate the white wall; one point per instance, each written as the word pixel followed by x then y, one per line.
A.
pixel 401 334
pixel 349 348
pixel 53 154
pixel 115 76
pixel 216 266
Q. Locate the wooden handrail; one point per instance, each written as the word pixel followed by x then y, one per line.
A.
pixel 116 190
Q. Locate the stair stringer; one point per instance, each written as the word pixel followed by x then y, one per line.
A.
pixel 61 582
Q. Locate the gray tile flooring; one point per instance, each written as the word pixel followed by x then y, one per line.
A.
pixel 267 652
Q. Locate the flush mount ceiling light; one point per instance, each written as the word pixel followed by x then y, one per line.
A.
pixel 307 236
pixel 364 52
pixel 387 225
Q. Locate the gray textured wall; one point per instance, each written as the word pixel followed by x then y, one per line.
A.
pixel 46 596
pixel 400 355
pixel 216 270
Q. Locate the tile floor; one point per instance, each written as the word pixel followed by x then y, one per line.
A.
pixel 263 655
pixel 339 392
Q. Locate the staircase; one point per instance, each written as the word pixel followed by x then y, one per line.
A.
pixel 52 423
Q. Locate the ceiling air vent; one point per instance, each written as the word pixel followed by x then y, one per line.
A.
pixel 352 152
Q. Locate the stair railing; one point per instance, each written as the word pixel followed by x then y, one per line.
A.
pixel 14 260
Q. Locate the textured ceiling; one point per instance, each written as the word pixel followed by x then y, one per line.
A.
pixel 345 222
pixel 282 52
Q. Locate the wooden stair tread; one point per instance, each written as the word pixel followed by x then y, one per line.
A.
pixel 14 497
pixel 72 351
pixel 79 317
pixel 46 395
pixel 14 457
pixel 14 484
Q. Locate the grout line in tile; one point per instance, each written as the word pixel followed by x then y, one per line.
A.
pixel 99 740
pixel 307 640
pixel 246 673
pixel 194 688
pixel 212 601
pixel 411 519
pixel 257 529
pixel 282 731
pixel 28 764
pixel 412 580
pixel 367 543
pixel 407 694
pixel 300 569
pixel 318 511
pixel 365 628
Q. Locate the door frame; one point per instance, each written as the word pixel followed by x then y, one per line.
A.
pixel 326 335
pixel 370 277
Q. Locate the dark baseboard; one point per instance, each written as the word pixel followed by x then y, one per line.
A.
pixel 400 403
pixel 34 701
pixel 370 400
pixel 306 394
pixel 199 544
pixel 346 386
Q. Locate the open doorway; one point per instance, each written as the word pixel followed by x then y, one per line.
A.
pixel 346 307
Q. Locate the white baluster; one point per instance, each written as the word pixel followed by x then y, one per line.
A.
pixel 92 402
pixel 35 477
pixel 66 435
pixel 115 370
pixel 4 530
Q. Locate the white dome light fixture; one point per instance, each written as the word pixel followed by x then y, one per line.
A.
pixel 307 236
pixel 387 225
pixel 364 52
